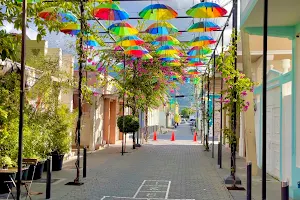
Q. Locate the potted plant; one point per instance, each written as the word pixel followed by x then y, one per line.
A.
pixel 5 162
pixel 60 137
pixel 129 125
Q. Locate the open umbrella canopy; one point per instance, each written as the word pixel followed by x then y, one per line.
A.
pixel 131 40
pixel 206 10
pixel 202 41
pixel 171 64
pixel 193 60
pixel 161 28
pixel 90 41
pixel 71 29
pixel 110 11
pixel 58 14
pixel 167 50
pixel 147 56
pixel 166 40
pixel 136 51
pixel 170 56
pixel 199 50
pixel 195 64
pixel 122 29
pixel 205 26
pixel 168 59
pixel 158 12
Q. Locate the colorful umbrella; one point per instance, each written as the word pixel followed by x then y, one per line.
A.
pixel 166 40
pixel 147 56
pixel 158 12
pixel 170 56
pixel 171 64
pixel 90 41
pixel 130 40
pixel 195 64
pixel 136 51
pixel 167 50
pixel 202 41
pixel 122 29
pixel 53 13
pixel 206 10
pixel 205 26
pixel 161 28
pixel 197 50
pixel 71 28
pixel 109 11
pixel 193 60
pixel 168 59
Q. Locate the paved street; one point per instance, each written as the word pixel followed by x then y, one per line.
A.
pixel 154 171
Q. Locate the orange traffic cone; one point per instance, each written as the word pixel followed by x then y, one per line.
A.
pixel 195 136
pixel 154 136
pixel 173 136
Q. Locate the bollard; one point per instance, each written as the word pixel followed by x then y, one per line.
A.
pixel 84 162
pixel 48 183
pixel 249 181
pixel 219 153
pixel 284 190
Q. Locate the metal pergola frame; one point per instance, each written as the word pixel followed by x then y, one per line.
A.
pixel 22 85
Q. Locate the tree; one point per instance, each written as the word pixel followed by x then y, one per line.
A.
pixel 186 112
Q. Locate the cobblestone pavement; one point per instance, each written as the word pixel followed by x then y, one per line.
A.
pixel 154 171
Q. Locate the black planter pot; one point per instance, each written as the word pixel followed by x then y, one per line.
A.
pixel 57 161
pixel 3 186
pixel 38 171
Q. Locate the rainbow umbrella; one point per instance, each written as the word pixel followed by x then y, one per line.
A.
pixel 170 56
pixel 205 26
pixel 195 64
pixel 71 29
pixel 90 41
pixel 161 28
pixel 171 64
pixel 130 40
pixel 166 40
pixel 122 29
pixel 158 12
pixel 147 56
pixel 202 41
pixel 197 50
pixel 136 51
pixel 109 11
pixel 53 13
pixel 167 50
pixel 191 59
pixel 206 10
pixel 193 71
pixel 168 59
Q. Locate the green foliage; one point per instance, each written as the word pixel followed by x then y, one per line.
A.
pixel 186 112
pixel 131 124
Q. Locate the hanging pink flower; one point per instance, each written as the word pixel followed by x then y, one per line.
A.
pixel 90 60
pixel 244 93
pixel 245 108
pixel 172 91
pixel 252 89
pixel 247 103
pixel 226 101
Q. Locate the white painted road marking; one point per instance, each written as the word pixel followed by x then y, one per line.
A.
pixel 149 190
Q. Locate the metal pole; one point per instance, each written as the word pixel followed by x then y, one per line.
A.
pixel 249 181
pixel 22 96
pixel 77 179
pixel 213 108
pixel 84 162
pixel 48 183
pixel 221 122
pixel 124 68
pixel 207 114
pixel 264 101
pixel 284 190
pixel 202 109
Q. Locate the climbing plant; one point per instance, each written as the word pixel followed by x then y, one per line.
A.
pixel 238 85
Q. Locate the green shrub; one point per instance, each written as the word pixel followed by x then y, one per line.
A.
pixel 131 124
